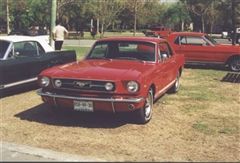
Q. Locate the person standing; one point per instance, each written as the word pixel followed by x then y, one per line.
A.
pixel 59 33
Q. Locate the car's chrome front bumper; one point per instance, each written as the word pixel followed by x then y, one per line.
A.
pixel 112 99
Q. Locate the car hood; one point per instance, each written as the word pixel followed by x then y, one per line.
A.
pixel 101 70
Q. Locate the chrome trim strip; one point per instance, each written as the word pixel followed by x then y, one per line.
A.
pixel 18 83
pixel 165 88
pixel 203 62
pixel 83 79
pixel 130 100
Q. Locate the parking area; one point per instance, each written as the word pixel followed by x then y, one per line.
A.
pixel 199 123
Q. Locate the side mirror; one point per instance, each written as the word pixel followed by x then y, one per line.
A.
pixel 16 54
pixel 164 56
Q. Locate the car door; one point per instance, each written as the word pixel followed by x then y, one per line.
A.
pixel 49 59
pixel 45 59
pixel 166 70
pixel 195 48
pixel 19 63
pixel 27 59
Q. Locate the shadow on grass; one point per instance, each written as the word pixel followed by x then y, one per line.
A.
pixel 231 77
pixel 207 67
pixel 66 117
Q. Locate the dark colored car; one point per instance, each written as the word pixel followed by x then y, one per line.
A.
pixel 22 58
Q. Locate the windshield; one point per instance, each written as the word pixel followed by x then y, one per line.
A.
pixel 211 39
pixel 128 50
pixel 3 48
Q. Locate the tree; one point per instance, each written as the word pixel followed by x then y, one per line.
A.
pixel 176 15
pixel 199 8
pixel 106 11
pixel 135 7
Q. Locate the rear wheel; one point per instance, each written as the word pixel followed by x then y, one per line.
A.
pixel 176 85
pixel 145 114
pixel 234 64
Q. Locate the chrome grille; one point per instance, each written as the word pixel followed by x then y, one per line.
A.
pixel 74 84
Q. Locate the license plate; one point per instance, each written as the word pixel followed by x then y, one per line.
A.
pixel 84 106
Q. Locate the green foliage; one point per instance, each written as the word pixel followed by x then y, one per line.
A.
pixel 120 14
pixel 175 15
pixel 80 51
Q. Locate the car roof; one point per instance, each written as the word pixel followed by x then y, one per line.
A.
pixel 188 33
pixel 131 38
pixel 18 38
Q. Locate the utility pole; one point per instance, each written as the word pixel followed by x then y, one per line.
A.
pixel 7 10
pixel 233 23
pixel 53 20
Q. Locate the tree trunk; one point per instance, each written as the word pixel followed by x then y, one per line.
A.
pixel 203 24
pixel 233 24
pixel 53 20
pixel 182 25
pixel 97 25
pixel 102 30
pixel 135 21
pixel 211 27
pixel 7 9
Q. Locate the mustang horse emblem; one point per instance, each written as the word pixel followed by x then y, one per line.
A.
pixel 81 84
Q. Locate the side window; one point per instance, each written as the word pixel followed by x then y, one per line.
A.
pixel 25 49
pixel 40 49
pixel 180 40
pixel 164 48
pixel 198 41
pixel 4 45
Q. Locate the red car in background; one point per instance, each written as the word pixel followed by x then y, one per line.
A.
pixel 158 31
pixel 199 48
pixel 123 74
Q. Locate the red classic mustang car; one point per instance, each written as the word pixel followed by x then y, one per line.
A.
pixel 199 48
pixel 124 74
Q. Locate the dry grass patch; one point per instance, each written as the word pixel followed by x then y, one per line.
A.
pixel 199 123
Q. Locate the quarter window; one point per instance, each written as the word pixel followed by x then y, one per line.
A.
pixel 196 41
pixel 191 40
pixel 164 48
pixel 181 40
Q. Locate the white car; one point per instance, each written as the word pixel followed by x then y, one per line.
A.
pixel 22 58
pixel 16 42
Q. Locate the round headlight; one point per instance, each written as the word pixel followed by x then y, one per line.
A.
pixel 58 83
pixel 109 86
pixel 45 81
pixel 132 86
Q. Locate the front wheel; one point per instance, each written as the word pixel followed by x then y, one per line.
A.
pixel 145 114
pixel 234 64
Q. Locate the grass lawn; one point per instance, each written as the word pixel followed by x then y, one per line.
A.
pixel 199 123
pixel 80 51
pixel 87 35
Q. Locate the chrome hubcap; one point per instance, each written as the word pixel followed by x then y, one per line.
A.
pixel 177 83
pixel 148 105
pixel 236 65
